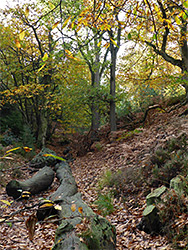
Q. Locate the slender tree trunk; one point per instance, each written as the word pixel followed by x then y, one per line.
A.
pixel 185 84
pixel 43 126
pixel 113 51
pixel 113 126
pixel 95 106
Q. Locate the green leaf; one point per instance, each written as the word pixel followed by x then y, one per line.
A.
pixel 129 36
pixel 185 4
pixel 45 57
pixel 154 37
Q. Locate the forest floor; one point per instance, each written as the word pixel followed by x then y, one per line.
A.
pixel 123 150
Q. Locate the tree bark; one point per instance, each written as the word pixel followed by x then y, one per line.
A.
pixel 113 51
pixel 97 232
pixel 95 122
pixel 113 126
pixel 41 181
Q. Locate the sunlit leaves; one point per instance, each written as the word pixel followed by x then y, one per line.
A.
pixel 57 207
pixel 6 202
pixel 17 43
pixel 113 42
pixel 106 45
pixel 66 21
pixel 73 208
pixel 70 55
pixel 22 35
pixel 80 210
pixel 27 11
pixel 13 149
pixel 54 156
pixel 8 154
pixel 185 4
pixel 27 149
pixel 46 204
pixel 45 57
pixel 55 25
pixel 52 6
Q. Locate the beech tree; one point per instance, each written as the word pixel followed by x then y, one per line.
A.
pixel 102 17
pixel 28 67
pixel 163 26
pixel 86 39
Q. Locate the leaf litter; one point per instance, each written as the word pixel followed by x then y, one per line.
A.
pixel 115 154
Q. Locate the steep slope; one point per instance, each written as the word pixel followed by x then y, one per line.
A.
pixel 129 152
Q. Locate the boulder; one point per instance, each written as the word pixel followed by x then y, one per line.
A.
pixel 177 183
pixel 150 222
pixel 155 195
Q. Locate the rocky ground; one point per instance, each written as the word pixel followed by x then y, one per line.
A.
pixel 123 150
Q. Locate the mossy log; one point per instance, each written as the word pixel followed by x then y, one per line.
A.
pixel 41 181
pixel 79 228
pixel 40 160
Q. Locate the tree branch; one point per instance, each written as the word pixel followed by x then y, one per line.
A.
pixel 170 59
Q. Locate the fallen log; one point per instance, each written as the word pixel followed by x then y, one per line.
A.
pixel 41 181
pixel 79 227
pixel 40 160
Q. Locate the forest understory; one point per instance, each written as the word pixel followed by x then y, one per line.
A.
pixel 125 151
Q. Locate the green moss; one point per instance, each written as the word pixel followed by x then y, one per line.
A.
pixel 95 237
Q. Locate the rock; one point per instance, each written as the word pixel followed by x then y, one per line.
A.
pixel 150 222
pixel 177 184
pixel 154 196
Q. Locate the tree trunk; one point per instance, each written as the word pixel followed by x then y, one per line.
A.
pixel 113 126
pixel 185 84
pixel 95 123
pixel 114 50
pixel 97 233
pixel 42 129
pixel 39 182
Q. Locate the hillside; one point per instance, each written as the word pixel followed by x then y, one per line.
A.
pixel 128 151
pixel 127 154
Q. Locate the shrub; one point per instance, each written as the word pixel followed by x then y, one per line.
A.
pixel 8 138
pixel 105 203
pixel 169 161
pixel 173 210
pixel 106 180
pixel 11 119
pixel 128 180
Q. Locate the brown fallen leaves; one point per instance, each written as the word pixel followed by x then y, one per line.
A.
pixel 31 225
pixel 114 155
